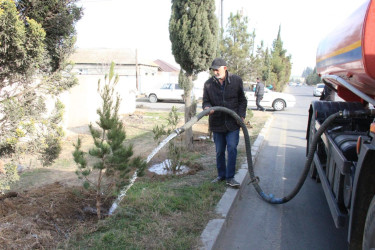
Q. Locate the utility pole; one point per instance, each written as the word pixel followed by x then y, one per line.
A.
pixel 222 14
pixel 136 70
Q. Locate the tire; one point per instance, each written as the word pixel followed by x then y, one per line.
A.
pixel 279 104
pixel 313 171
pixel 369 232
pixel 153 98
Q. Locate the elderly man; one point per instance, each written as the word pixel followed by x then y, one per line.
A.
pixel 225 90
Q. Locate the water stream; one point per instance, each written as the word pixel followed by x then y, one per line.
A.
pixel 135 175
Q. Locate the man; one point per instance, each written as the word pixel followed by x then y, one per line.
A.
pixel 225 90
pixel 259 92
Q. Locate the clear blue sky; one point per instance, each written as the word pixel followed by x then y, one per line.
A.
pixel 143 24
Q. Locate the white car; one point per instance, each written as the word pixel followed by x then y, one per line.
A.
pixel 271 99
pixel 318 90
pixel 169 91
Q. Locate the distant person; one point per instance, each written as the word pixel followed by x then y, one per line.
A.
pixel 226 90
pixel 259 92
pixel 328 94
pixel 270 87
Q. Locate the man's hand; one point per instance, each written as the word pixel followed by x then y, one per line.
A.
pixel 211 112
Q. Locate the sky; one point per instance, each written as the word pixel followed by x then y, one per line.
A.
pixel 143 24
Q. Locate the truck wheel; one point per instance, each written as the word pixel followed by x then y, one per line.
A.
pixel 152 98
pixel 278 105
pixel 369 232
pixel 313 172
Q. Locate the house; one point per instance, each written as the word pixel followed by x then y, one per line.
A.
pixel 167 73
pixel 132 69
pixel 90 65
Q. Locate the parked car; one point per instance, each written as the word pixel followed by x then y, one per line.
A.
pixel 318 90
pixel 169 91
pixel 271 99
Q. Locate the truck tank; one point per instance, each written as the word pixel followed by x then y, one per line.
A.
pixel 349 53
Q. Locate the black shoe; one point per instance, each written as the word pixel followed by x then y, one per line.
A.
pixel 217 179
pixel 233 183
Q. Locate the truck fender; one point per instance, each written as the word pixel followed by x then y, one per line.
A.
pixel 363 192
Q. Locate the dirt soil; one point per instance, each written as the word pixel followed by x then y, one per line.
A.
pixel 42 217
pixel 42 213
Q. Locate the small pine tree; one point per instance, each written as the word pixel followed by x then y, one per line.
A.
pixel 113 159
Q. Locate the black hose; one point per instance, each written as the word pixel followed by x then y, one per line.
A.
pixel 254 179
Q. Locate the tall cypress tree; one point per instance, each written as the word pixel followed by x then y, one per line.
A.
pixel 193 31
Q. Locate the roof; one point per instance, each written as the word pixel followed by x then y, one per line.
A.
pixel 104 55
pixel 166 67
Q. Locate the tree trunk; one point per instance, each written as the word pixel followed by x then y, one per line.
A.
pixel 189 111
pixel 98 195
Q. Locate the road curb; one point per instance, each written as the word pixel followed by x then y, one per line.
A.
pixel 215 227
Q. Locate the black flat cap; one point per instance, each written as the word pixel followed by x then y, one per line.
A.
pixel 217 63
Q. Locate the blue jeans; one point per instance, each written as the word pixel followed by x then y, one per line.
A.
pixel 228 140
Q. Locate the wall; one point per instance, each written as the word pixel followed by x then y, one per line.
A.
pixel 82 101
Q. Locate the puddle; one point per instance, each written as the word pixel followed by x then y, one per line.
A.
pixel 162 168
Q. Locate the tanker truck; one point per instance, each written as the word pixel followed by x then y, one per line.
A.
pixel 344 158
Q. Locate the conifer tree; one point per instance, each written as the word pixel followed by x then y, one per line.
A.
pixel 113 158
pixel 313 78
pixel 237 46
pixel 193 31
pixel 258 62
pixel 27 78
pixel 280 63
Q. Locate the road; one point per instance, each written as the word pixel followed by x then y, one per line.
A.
pixel 303 223
pixel 162 105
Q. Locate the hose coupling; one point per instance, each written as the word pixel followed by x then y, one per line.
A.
pixel 254 181
pixel 179 131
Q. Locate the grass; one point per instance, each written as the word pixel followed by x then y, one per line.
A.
pixel 167 212
pixel 159 212
pixel 157 215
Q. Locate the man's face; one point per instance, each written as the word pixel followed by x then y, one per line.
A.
pixel 220 72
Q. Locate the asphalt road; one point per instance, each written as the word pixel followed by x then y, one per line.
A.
pixel 143 102
pixel 303 223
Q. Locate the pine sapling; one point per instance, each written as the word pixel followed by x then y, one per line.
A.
pixel 112 158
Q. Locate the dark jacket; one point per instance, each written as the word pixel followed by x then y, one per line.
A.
pixel 259 90
pixel 231 96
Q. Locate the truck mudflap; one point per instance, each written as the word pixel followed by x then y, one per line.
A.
pixel 363 192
